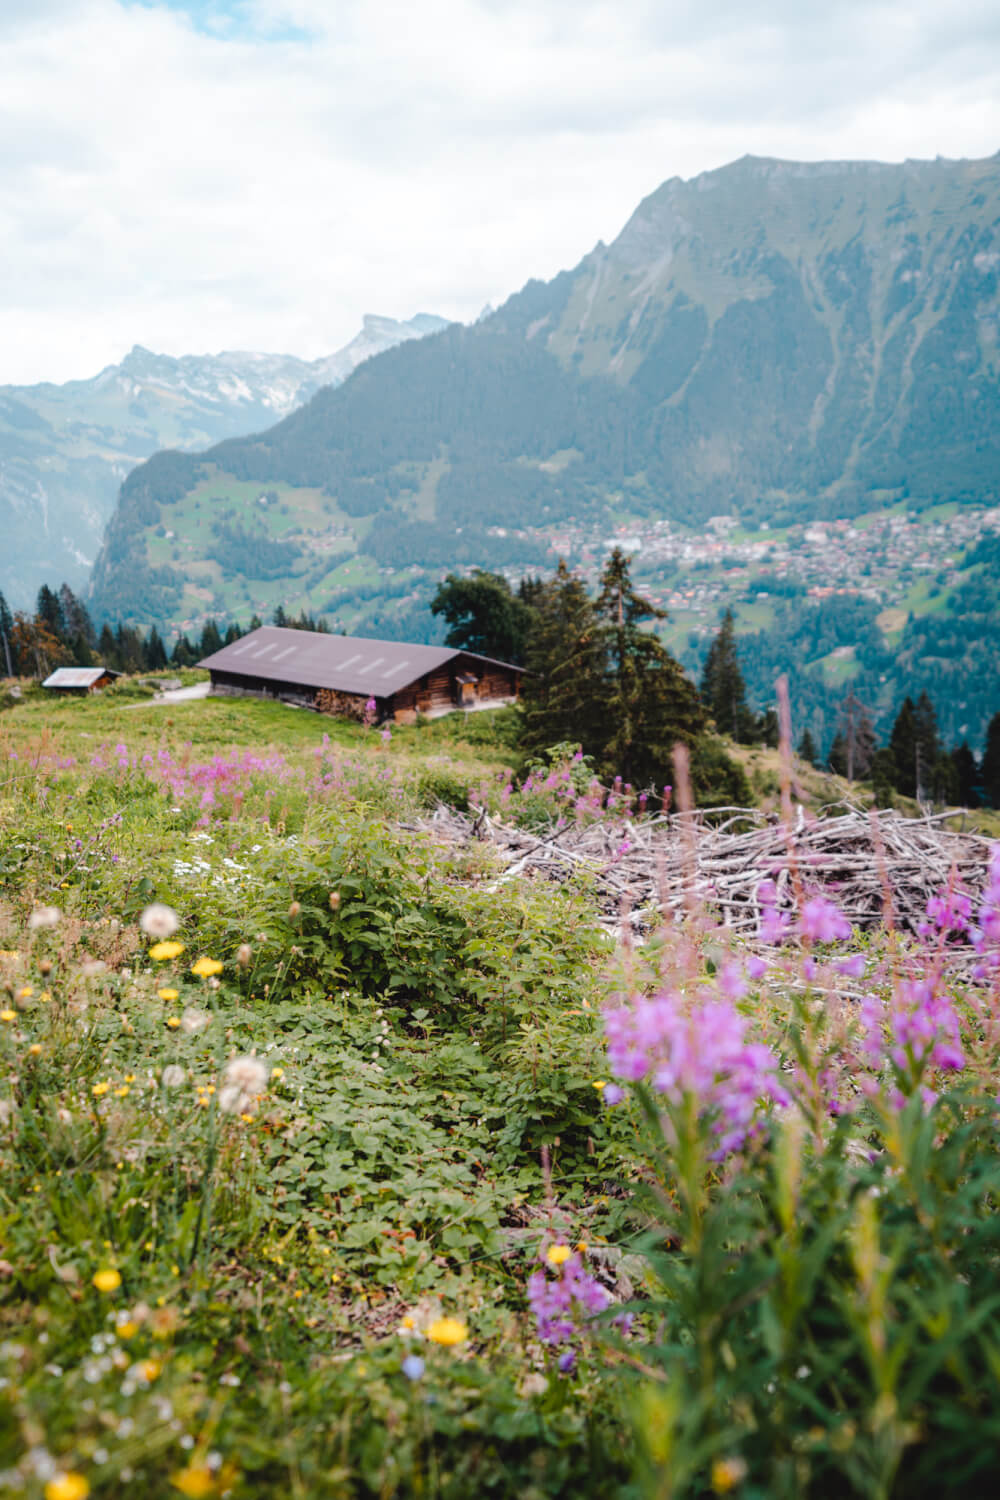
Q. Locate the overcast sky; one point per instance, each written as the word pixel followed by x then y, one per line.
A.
pixel 195 175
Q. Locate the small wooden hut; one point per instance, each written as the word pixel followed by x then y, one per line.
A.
pixel 80 679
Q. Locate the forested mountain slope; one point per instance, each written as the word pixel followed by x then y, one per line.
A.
pixel 65 449
pixel 772 339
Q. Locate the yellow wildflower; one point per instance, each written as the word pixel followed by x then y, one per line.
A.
pixel 25 992
pixel 67 1486
pixel 100 1089
pixel 128 1329
pixel 196 1481
pixel 171 949
pixel 447 1331
pixel 35 1049
pixel 206 967
pixel 8 1015
pixel 557 1255
pixel 277 1073
pixel 173 1022
pixel 599 1083
pixel 148 1369
pixel 727 1473
pixel 123 1092
pixel 107 1280
pixel 168 994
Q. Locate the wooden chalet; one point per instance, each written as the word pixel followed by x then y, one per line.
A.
pixel 339 674
pixel 80 679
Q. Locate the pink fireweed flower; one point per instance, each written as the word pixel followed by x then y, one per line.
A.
pixel 947 913
pixel 699 1051
pixel 822 922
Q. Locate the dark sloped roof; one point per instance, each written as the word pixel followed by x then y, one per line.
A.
pixel 343 663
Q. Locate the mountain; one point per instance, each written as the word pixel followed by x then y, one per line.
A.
pixel 773 340
pixel 65 449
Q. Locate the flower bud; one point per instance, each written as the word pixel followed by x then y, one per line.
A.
pixel 334 900
pixel 244 954
pixel 294 910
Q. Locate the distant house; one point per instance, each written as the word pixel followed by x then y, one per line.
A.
pixel 80 679
pixel 340 674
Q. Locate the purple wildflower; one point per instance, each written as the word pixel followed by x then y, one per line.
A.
pixel 822 922
pixel 699 1051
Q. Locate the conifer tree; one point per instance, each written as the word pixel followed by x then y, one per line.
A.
pixel 903 744
pixel 107 648
pixel 807 748
pixel 648 704
pixel 565 672
pixel 77 618
pixel 966 775
pixel 49 611
pixel 723 690
pixel 211 640
pixel 991 763
pixel 8 659
pixel 156 651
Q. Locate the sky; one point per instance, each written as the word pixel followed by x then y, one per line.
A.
pixel 198 175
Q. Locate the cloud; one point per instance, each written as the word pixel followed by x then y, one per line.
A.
pixel 259 173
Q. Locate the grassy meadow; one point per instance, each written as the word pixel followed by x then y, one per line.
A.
pixel 333 1166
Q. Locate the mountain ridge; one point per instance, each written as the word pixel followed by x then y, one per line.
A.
pixel 66 447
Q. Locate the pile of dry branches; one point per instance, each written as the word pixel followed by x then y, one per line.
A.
pixel 867 862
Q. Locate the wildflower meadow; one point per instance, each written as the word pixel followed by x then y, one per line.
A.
pixel 334 1164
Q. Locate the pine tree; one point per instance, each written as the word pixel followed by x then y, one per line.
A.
pixel 807 748
pixel 723 690
pixel 107 648
pixel 49 611
pixel 279 617
pixel 77 617
pixel 183 654
pixel 648 705
pixel 211 640
pixel 966 775
pixel 8 659
pixel 928 745
pixel 990 771
pixel 156 651
pixel 903 744
pixel 565 673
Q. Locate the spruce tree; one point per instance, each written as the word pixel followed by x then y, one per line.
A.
pixel 928 746
pixel 107 649
pixel 903 744
pixel 564 682
pixel 991 763
pixel 723 690
pixel 807 748
pixel 966 775
pixel 156 651
pixel 648 704
pixel 211 640
pixel 49 611
pixel 8 659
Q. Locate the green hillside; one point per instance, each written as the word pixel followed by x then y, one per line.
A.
pixel 772 339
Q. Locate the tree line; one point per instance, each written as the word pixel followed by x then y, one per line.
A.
pixel 915 762
pixel 61 633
